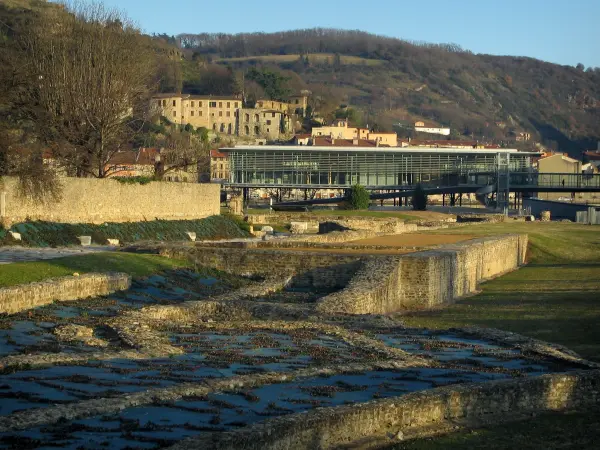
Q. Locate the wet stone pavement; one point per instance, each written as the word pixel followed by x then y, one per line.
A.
pixel 206 352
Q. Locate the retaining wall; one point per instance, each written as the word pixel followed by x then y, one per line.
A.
pixel 428 279
pixel 308 269
pixel 89 200
pixel 18 298
pixel 344 426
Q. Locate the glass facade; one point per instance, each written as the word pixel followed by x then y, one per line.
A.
pixel 333 167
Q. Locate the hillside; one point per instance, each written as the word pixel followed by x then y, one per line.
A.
pixel 384 80
pixel 390 80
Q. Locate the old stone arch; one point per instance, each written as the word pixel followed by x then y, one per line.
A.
pixel 214 127
pixel 222 129
pixel 256 130
pixel 229 129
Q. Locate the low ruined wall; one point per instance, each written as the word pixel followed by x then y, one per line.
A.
pixel 376 225
pixel 87 200
pixel 334 427
pixel 18 298
pixel 308 269
pixel 427 279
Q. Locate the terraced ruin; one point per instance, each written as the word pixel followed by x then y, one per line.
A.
pixel 252 351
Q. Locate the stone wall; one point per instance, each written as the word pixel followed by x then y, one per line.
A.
pixel 427 279
pixel 347 426
pixel 308 269
pixel 376 225
pixel 88 200
pixel 14 299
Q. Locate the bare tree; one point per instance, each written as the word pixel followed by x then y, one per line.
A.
pixel 87 84
pixel 183 149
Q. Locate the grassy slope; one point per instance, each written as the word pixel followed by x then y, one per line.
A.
pixel 554 298
pixel 548 431
pixel 313 57
pixel 43 234
pixel 133 264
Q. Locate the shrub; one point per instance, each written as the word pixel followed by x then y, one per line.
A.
pixel 419 200
pixel 134 180
pixel 357 198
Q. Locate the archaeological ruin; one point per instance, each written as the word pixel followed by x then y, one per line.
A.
pixel 275 344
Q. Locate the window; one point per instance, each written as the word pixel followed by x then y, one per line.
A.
pixel 256 130
pixel 158 102
pixel 247 118
pixel 164 102
pixel 260 104
pixel 212 104
pixel 212 114
pixel 229 129
pixel 256 118
pixel 297 101
pixel 220 104
pixel 228 104
pixel 200 113
pixel 228 114
pixel 200 104
pixel 192 103
pixel 174 102
pixel 268 130
pixel 220 113
pixel 247 130
pixel 235 105
pixel 214 127
pixel 192 113
pixel 222 128
pixel 174 113
pixel 268 122
pixel 272 114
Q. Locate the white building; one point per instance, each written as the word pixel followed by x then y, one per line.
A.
pixel 422 127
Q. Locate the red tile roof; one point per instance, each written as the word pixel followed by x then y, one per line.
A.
pixel 218 154
pixel 328 142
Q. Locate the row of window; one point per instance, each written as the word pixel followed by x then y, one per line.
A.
pixel 193 104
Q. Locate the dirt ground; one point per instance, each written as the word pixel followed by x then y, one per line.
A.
pixel 414 240
pixel 350 251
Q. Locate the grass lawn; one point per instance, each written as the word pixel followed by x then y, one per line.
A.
pixel 554 430
pixel 556 297
pixel 133 264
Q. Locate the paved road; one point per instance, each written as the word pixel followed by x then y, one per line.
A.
pixel 21 254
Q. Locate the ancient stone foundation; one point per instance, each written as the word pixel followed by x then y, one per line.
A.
pixel 329 428
pixel 429 279
pixel 373 284
pixel 26 296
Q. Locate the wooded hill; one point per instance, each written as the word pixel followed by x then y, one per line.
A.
pixel 390 80
pixel 383 81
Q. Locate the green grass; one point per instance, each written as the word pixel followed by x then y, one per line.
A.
pixel 314 58
pixel 556 297
pixel 136 265
pixel 554 430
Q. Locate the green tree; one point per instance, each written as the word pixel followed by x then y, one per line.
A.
pixel 357 197
pixel 419 199
pixel 273 82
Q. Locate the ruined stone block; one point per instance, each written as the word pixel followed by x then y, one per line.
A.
pixel 85 240
pixel 191 235
pixel 16 236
